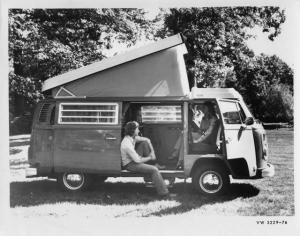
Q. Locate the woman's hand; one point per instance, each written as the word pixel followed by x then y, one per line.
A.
pixel 153 157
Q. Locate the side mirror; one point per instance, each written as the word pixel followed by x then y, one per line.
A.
pixel 249 121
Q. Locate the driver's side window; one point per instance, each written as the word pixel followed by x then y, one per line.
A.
pixel 231 112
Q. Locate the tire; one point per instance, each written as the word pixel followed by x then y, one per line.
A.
pixel 219 180
pixel 74 182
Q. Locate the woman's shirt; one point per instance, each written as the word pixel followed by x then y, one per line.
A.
pixel 127 149
pixel 207 127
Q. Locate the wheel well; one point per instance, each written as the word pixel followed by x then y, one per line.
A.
pixel 209 161
pixel 239 168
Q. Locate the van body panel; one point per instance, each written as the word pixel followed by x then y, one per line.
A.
pixel 41 140
pixel 92 149
pixel 191 159
pixel 239 141
pixel 240 144
pixel 43 149
pixel 95 148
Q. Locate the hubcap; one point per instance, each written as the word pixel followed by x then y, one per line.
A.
pixel 210 182
pixel 73 181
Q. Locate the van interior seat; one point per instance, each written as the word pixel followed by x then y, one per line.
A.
pixel 210 148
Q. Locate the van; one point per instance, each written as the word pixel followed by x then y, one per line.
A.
pixel 77 131
pixel 70 141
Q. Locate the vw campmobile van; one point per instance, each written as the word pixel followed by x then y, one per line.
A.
pixel 78 128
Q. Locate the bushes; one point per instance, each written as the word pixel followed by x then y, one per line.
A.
pixel 21 124
pixel 266 83
pixel 278 105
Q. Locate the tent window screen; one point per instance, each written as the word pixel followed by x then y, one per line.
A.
pixel 88 113
pixel 161 114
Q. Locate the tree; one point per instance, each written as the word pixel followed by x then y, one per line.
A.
pixel 279 104
pixel 266 83
pixel 216 38
pixel 218 55
pixel 47 42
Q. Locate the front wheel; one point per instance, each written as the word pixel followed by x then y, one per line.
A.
pixel 210 180
pixel 74 182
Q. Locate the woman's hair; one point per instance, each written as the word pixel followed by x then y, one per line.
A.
pixel 210 107
pixel 130 127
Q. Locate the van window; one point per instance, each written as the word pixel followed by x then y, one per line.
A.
pixel 161 113
pixel 231 112
pixel 88 113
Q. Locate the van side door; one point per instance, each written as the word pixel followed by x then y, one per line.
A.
pixel 87 137
pixel 239 141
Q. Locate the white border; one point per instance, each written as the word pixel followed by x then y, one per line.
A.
pixel 173 225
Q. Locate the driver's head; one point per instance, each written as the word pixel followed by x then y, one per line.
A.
pixel 208 108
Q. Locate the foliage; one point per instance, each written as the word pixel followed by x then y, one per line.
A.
pixel 259 81
pixel 218 55
pixel 279 101
pixel 47 42
pixel 216 38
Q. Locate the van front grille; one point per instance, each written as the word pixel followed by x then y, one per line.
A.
pixel 44 112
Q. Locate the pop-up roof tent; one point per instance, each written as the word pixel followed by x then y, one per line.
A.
pixel 154 70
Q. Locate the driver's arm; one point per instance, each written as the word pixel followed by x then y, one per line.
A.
pixel 208 132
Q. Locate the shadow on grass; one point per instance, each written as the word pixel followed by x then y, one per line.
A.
pixel 47 192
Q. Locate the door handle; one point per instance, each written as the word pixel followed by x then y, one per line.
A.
pixel 110 138
pixel 228 140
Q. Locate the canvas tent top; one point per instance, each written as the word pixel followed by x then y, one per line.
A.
pixel 157 69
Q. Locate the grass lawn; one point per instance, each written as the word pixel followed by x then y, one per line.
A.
pixel 40 198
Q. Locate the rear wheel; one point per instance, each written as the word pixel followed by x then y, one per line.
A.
pixel 210 180
pixel 74 182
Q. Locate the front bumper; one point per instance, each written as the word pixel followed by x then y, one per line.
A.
pixel 268 171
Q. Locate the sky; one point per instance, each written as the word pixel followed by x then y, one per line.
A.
pixel 283 44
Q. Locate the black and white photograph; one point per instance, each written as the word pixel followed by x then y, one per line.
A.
pixel 154 119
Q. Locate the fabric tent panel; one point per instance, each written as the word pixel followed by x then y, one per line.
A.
pixel 158 74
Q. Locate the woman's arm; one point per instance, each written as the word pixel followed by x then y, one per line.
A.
pixel 135 157
pixel 141 139
pixel 208 132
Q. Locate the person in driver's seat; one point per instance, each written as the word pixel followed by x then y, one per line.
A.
pixel 204 139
